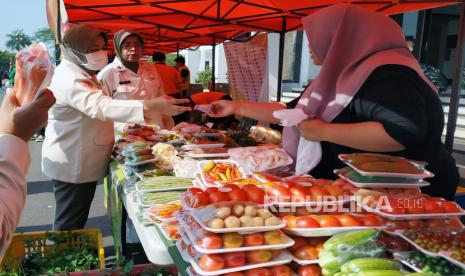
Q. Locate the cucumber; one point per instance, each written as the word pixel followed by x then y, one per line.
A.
pixel 326 272
pixel 329 261
pixel 350 239
pixel 364 264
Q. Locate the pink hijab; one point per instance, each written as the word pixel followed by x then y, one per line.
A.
pixel 352 42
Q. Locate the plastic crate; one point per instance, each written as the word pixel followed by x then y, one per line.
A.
pixel 18 248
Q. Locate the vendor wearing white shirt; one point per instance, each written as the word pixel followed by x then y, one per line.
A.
pixel 129 78
pixel 79 134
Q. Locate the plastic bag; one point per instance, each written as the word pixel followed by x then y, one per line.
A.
pixel 290 117
pixel 34 71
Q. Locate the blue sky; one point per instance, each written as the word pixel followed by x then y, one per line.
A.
pixel 28 15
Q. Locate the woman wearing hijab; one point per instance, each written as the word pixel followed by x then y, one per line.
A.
pixel 79 134
pixel 129 78
pixel 370 96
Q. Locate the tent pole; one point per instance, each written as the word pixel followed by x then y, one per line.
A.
pixel 282 36
pixel 57 45
pixel 213 64
pixel 456 82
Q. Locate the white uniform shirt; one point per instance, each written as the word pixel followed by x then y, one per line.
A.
pixel 122 83
pixel 79 136
pixel 14 162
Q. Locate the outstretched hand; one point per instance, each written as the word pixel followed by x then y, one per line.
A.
pixel 222 108
pixel 26 120
pixel 165 105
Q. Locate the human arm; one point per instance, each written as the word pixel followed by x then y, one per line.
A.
pixel 17 125
pixel 366 136
pixel 253 110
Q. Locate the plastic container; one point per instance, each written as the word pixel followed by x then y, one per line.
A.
pixel 193 236
pixel 409 216
pixel 400 233
pixel 20 247
pixel 323 231
pixel 283 258
pixel 203 215
pixel 202 164
pixel 378 182
pixel 424 174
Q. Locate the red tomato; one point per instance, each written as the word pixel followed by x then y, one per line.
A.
pixel 234 259
pixel 262 271
pixel 309 270
pixel 199 200
pixel 306 252
pixel 334 190
pixel 450 207
pixel 396 224
pixel 299 194
pixel 436 223
pixel 282 270
pixel 210 190
pixel 254 239
pixel 317 193
pixel 370 220
pixel 210 241
pixel 298 243
pixel 394 207
pixel 238 195
pixel 288 184
pixel 433 206
pixel 306 222
pixel 414 206
pixel 258 256
pixel 211 262
pixel 303 211
pixel 231 186
pixel 247 187
pixel 348 221
pixel 290 221
pixel 278 193
pixel 328 221
pixel 216 197
pixel 416 224
pixel 256 195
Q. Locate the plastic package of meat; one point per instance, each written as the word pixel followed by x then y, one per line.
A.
pixel 34 71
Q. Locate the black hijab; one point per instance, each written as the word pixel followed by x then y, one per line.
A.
pixel 118 40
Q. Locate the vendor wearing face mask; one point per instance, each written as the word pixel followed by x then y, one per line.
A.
pixel 79 134
pixel 127 77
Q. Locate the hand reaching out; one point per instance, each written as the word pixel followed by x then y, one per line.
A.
pixel 26 120
pixel 165 105
pixel 222 108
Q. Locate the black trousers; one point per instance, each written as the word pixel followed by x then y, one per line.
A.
pixel 72 204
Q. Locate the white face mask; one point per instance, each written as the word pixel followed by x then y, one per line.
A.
pixel 96 61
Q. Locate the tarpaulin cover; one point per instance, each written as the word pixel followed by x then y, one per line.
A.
pixel 178 24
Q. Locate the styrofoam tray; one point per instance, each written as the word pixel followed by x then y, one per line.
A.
pixel 446 255
pixel 153 160
pixel 160 227
pixel 409 216
pixel 323 231
pixel 283 258
pixel 159 190
pixel 201 165
pixel 202 146
pixel 425 174
pixel 304 262
pixel 148 215
pixel 402 256
pixel 414 184
pixel 207 155
pixel 182 252
pixel 240 230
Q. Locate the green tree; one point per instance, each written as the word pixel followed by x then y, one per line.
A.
pixel 203 77
pixel 44 35
pixel 5 58
pixel 17 40
pixel 170 59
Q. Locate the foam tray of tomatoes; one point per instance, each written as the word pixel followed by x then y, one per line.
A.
pixel 242 217
pixel 221 264
pixel 277 270
pixel 212 243
pixel 266 177
pixel 197 198
pixel 293 194
pixel 328 225
pixel 214 171
pixel 306 251
pixel 408 206
pixel 447 223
